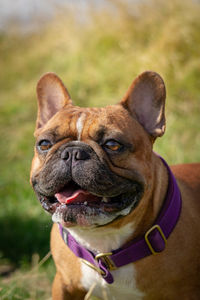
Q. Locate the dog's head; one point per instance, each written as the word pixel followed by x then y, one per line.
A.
pixel 94 165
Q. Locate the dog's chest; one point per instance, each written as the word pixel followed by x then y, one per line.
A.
pixel 124 286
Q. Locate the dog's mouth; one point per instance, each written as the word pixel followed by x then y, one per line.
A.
pixel 73 205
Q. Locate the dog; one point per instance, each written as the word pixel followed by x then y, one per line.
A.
pixel 127 225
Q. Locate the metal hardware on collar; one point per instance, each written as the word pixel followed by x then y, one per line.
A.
pixel 101 272
pixel 147 238
pixel 107 260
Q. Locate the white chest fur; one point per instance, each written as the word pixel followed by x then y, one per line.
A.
pixel 104 240
pixel 124 286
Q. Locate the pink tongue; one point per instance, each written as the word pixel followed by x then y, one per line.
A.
pixel 70 196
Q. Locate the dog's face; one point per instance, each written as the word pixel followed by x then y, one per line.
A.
pixel 93 166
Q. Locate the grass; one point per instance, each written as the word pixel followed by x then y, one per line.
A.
pixel 97 60
pixel 29 282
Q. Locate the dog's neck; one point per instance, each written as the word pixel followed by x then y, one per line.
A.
pixel 108 238
pixel 102 239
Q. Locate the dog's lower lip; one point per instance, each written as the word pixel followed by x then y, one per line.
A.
pixel 50 204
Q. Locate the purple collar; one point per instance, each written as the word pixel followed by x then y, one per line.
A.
pixel 153 242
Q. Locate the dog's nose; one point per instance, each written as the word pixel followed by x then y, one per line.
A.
pixel 74 154
pixel 81 154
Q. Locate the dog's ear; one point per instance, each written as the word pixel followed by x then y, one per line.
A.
pixel 145 100
pixel 52 96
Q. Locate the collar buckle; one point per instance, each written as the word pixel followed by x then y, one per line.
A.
pixel 106 260
pixel 149 243
pixel 89 264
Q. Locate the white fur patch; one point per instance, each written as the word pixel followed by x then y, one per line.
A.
pixel 124 286
pixel 79 125
pixel 100 239
pixel 105 240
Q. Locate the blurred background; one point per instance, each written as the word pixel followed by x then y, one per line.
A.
pixel 97 48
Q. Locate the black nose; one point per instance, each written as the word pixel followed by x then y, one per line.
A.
pixel 81 154
pixel 74 153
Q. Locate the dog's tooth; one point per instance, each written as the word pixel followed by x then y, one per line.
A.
pixel 85 203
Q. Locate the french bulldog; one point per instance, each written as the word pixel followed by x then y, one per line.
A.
pixel 126 225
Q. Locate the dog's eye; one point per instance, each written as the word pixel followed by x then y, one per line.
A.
pixel 113 145
pixel 44 145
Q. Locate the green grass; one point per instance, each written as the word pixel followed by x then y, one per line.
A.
pixel 98 61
